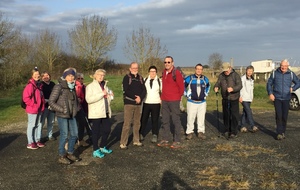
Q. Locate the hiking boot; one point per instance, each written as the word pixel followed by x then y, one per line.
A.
pixel 141 137
pixel 123 146
pixel 51 138
pixel 137 144
pixel 73 158
pixel 105 150
pixel 98 154
pixel 280 137
pixel 163 143
pixel 189 136
pixel 255 129
pixel 283 135
pixel 64 160
pixel 39 144
pixel 176 145
pixel 154 139
pixel 244 130
pixel 32 146
pixel 201 136
pixel 233 136
pixel 83 143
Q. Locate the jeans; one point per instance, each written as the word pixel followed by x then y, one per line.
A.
pixel 34 127
pixel 171 109
pixel 50 120
pixel 65 125
pixel 281 111
pixel 247 114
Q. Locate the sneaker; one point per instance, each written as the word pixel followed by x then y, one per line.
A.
pixel 137 144
pixel 98 154
pixel 233 136
pixel 201 136
pixel 123 146
pixel 73 158
pixel 163 143
pixel 39 144
pixel 280 137
pixel 32 146
pixel 189 136
pixel 176 145
pixel 64 160
pixel 283 135
pixel 225 135
pixel 244 130
pixel 255 129
pixel 83 143
pixel 51 138
pixel 154 139
pixel 141 137
pixel 105 150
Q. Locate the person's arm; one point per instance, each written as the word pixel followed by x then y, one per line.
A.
pixel 270 84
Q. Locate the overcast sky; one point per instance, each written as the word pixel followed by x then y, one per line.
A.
pixel 192 30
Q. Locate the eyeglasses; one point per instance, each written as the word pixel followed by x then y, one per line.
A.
pixel 79 78
pixel 167 62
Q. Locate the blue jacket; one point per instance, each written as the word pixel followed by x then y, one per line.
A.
pixel 279 84
pixel 190 83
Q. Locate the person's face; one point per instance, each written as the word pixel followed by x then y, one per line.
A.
pixel 134 68
pixel 36 76
pixel 168 63
pixel 80 79
pixel 227 72
pixel 152 73
pixel 46 77
pixel 249 72
pixel 284 66
pixel 99 76
pixel 199 70
pixel 70 78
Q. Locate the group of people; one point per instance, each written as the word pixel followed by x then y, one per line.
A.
pixel 80 108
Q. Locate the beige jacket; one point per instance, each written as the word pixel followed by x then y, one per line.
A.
pixel 96 101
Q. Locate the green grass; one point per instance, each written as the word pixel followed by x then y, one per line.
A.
pixel 11 111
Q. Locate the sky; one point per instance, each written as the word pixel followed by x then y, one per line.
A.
pixel 240 30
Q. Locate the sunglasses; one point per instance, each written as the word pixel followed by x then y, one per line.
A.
pixel 167 62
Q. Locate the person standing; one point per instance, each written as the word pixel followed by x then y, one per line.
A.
pixel 230 83
pixel 246 97
pixel 81 116
pixel 134 92
pixel 35 104
pixel 64 102
pixel 197 89
pixel 173 88
pixel 152 103
pixel 279 88
pixel 48 114
pixel 99 113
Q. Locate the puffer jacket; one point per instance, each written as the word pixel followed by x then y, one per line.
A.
pixel 280 84
pixel 64 101
pixel 232 80
pixel 34 103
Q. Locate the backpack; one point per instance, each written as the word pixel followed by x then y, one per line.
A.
pixel 23 104
pixel 130 79
pixel 174 73
pixel 158 81
pixel 292 76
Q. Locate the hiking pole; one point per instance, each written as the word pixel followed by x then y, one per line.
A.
pixel 217 102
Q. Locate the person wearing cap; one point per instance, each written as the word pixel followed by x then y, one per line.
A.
pixel 230 83
pixel 63 100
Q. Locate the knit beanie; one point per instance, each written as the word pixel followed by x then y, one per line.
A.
pixel 69 72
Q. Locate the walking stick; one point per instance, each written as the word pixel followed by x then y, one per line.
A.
pixel 217 102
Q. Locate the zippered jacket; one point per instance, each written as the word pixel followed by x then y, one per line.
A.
pixel 172 90
pixel 34 103
pixel 191 84
pixel 247 89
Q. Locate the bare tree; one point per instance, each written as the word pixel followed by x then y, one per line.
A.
pixel 47 48
pixel 215 61
pixel 142 46
pixel 91 39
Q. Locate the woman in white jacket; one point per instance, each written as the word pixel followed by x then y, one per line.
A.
pixel 246 97
pixel 99 112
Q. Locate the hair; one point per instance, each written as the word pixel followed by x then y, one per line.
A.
pixel 34 70
pixel 169 57
pixel 285 60
pixel 99 71
pixel 249 67
pixel 199 64
pixel 45 72
pixel 79 75
pixel 152 67
pixel 132 63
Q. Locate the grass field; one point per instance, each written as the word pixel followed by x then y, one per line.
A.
pixel 11 111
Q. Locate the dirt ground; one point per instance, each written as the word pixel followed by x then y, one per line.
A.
pixel 251 161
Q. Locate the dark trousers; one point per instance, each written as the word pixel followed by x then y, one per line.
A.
pixel 154 110
pixel 82 124
pixel 100 129
pixel 281 114
pixel 230 115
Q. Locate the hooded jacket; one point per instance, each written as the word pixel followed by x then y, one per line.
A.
pixel 247 89
pixel 35 103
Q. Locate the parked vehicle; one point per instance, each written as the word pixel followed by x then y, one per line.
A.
pixel 294 101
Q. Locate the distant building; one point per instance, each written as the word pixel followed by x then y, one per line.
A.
pixel 264 67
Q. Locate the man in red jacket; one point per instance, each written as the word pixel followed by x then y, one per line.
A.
pixel 172 90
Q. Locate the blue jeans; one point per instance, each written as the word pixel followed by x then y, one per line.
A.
pixel 247 114
pixel 34 127
pixel 66 125
pixel 50 120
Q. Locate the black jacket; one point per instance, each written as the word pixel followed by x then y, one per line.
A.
pixel 133 85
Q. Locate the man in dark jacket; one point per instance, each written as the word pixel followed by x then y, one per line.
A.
pixel 279 89
pixel 134 92
pixel 230 83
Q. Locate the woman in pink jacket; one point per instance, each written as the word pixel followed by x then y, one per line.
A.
pixel 34 100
